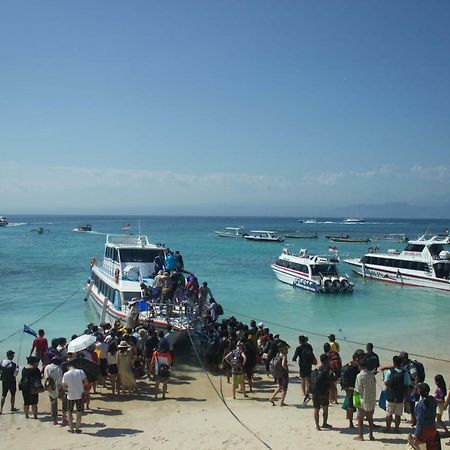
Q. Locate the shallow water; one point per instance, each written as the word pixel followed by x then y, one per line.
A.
pixel 39 272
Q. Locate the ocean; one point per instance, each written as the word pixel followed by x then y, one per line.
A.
pixel 41 271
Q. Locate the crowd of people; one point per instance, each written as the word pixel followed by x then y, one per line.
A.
pixel 117 357
pixel 124 355
pixel 238 348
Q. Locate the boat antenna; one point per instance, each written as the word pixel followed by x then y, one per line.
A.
pixel 139 231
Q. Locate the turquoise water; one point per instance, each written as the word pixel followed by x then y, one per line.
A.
pixel 38 272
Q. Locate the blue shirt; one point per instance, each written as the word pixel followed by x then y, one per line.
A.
pixel 425 416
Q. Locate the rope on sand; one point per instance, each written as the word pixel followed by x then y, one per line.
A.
pixel 433 358
pixel 222 398
pixel 45 315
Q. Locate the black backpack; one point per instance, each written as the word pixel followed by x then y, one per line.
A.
pixel 348 376
pixel 395 392
pixel 317 382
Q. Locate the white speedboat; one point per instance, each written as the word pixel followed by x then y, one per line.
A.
pixel 425 262
pixel 264 236
pixel 309 221
pixel 232 232
pixel 128 262
pixel 3 221
pixel 126 227
pixel 313 273
pixel 83 228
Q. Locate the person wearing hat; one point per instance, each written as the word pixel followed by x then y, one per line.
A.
pixel 8 370
pixel 126 379
pixel 334 346
pixel 53 375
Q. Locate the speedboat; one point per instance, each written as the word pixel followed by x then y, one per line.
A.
pixel 314 273
pixel 127 263
pixel 264 236
pixel 126 227
pixel 424 262
pixel 3 221
pixel 354 220
pixel 310 221
pixel 231 232
pixel 83 228
pixel 297 235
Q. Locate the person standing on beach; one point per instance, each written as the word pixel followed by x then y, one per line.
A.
pixel 74 381
pixel 160 365
pixel 397 382
pixel 335 364
pixel 40 347
pixel 124 360
pixel 305 355
pixel 8 371
pixel 282 376
pixel 31 377
pixel 371 358
pixel 409 366
pixel 236 359
pixel 366 387
pixel 334 345
pixel 53 372
pixel 320 390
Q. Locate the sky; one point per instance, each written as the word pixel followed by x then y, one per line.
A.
pixel 223 107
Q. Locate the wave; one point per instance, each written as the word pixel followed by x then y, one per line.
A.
pixel 17 224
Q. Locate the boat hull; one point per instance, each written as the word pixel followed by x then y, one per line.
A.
pixel 398 277
pixel 295 279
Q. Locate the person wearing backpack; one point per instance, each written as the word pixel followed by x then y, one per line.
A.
pixel 412 393
pixel 306 359
pixel 397 382
pixel 8 373
pixel 236 359
pixel 281 373
pixel 335 363
pixel 320 390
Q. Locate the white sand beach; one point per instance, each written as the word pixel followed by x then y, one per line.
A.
pixel 194 417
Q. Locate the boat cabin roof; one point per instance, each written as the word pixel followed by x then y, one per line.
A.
pixel 127 241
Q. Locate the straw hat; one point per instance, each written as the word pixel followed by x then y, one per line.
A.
pixel 123 344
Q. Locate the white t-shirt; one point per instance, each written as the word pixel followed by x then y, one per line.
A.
pixel 74 379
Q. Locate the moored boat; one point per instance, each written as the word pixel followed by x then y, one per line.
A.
pixel 3 221
pixel 264 236
pixel 301 236
pixel 425 262
pixel 232 232
pixel 347 238
pixel 314 273
pixel 128 266
pixel 354 220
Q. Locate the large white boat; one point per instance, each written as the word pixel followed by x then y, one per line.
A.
pixel 264 236
pixel 314 273
pixel 129 261
pixel 232 232
pixel 3 221
pixel 425 262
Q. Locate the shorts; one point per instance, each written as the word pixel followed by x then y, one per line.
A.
pixel 440 408
pixel 362 413
pixel 320 401
pixel 8 386
pixel 283 382
pixel 394 409
pixel 72 403
pixel 305 371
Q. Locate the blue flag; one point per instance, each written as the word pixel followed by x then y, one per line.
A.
pixel 27 329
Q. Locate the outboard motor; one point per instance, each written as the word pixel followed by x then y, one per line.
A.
pixel 336 284
pixel 327 284
pixel 345 285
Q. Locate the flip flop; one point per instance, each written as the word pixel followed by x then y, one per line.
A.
pixel 78 431
pixel 70 430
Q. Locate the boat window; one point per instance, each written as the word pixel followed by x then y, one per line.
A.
pixel 138 255
pixel 414 248
pixel 442 270
pixel 435 249
pixel 325 269
pixel 395 262
pixel 115 255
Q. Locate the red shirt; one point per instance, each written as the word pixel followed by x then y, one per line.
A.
pixel 41 345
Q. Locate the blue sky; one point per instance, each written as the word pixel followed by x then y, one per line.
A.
pixel 223 106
